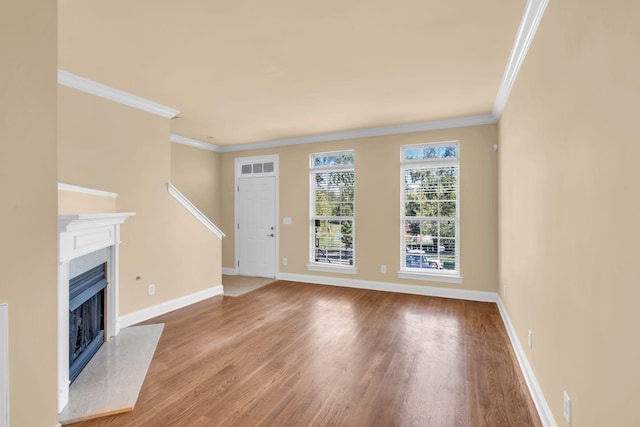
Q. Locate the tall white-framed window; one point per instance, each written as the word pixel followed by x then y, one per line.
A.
pixel 430 212
pixel 332 212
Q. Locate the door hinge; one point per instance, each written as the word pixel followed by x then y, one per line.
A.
pixel 238 226
pixel 238 263
pixel 238 188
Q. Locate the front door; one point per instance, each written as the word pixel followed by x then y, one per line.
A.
pixel 256 226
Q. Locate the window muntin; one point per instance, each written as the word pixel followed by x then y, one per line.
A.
pixel 332 195
pixel 430 209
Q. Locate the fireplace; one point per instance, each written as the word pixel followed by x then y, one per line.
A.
pixel 86 242
pixel 86 317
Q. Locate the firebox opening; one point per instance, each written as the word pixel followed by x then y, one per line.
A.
pixel 87 293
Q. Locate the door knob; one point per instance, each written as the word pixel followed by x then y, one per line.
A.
pixel 270 235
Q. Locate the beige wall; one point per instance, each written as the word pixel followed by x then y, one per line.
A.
pixel 116 148
pixel 378 204
pixel 28 254
pixel 71 202
pixel 196 173
pixel 569 209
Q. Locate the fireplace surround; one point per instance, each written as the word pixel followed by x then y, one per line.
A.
pixel 83 240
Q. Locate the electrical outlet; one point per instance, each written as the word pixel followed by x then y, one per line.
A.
pixel 567 407
pixel 530 339
pixel 285 261
pixel 151 289
pixel 504 291
pixel 383 268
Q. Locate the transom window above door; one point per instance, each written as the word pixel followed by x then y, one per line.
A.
pixel 257 168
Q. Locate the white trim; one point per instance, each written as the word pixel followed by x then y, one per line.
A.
pixel 457 122
pixel 73 81
pixel 312 266
pixel 4 364
pixel 275 158
pixel 432 291
pixel 194 143
pixel 230 271
pixel 194 211
pixel 546 416
pixel 86 190
pixel 433 277
pixel 528 25
pixel 165 307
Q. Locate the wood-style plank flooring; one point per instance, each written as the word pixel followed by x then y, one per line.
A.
pixel 292 354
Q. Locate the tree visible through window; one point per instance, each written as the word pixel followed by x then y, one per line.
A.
pixel 332 208
pixel 429 209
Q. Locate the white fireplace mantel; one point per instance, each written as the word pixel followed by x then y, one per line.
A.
pixel 79 235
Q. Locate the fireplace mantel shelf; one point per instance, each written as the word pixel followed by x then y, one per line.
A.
pixel 70 222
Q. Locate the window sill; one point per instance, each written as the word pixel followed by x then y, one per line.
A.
pixel 433 277
pixel 332 268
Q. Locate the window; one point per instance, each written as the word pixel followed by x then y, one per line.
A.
pixel 256 168
pixel 430 225
pixel 332 189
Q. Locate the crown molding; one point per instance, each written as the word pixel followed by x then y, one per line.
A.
pixel 86 190
pixel 456 122
pixel 528 26
pixel 194 143
pixel 73 81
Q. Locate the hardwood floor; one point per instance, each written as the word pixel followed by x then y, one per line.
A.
pixel 291 354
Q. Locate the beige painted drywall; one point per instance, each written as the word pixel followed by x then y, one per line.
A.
pixel 71 202
pixel 196 173
pixel 116 148
pixel 28 253
pixel 569 209
pixel 378 204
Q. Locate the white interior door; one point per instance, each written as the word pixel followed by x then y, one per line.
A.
pixel 257 226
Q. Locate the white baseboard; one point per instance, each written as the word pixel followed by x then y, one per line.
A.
pixel 532 383
pixel 166 307
pixel 431 291
pixel 230 271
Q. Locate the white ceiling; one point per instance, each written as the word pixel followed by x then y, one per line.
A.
pixel 248 70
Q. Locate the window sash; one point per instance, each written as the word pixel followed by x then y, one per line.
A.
pixel 430 212
pixel 332 209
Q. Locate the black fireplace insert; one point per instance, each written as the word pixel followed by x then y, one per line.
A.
pixel 86 317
